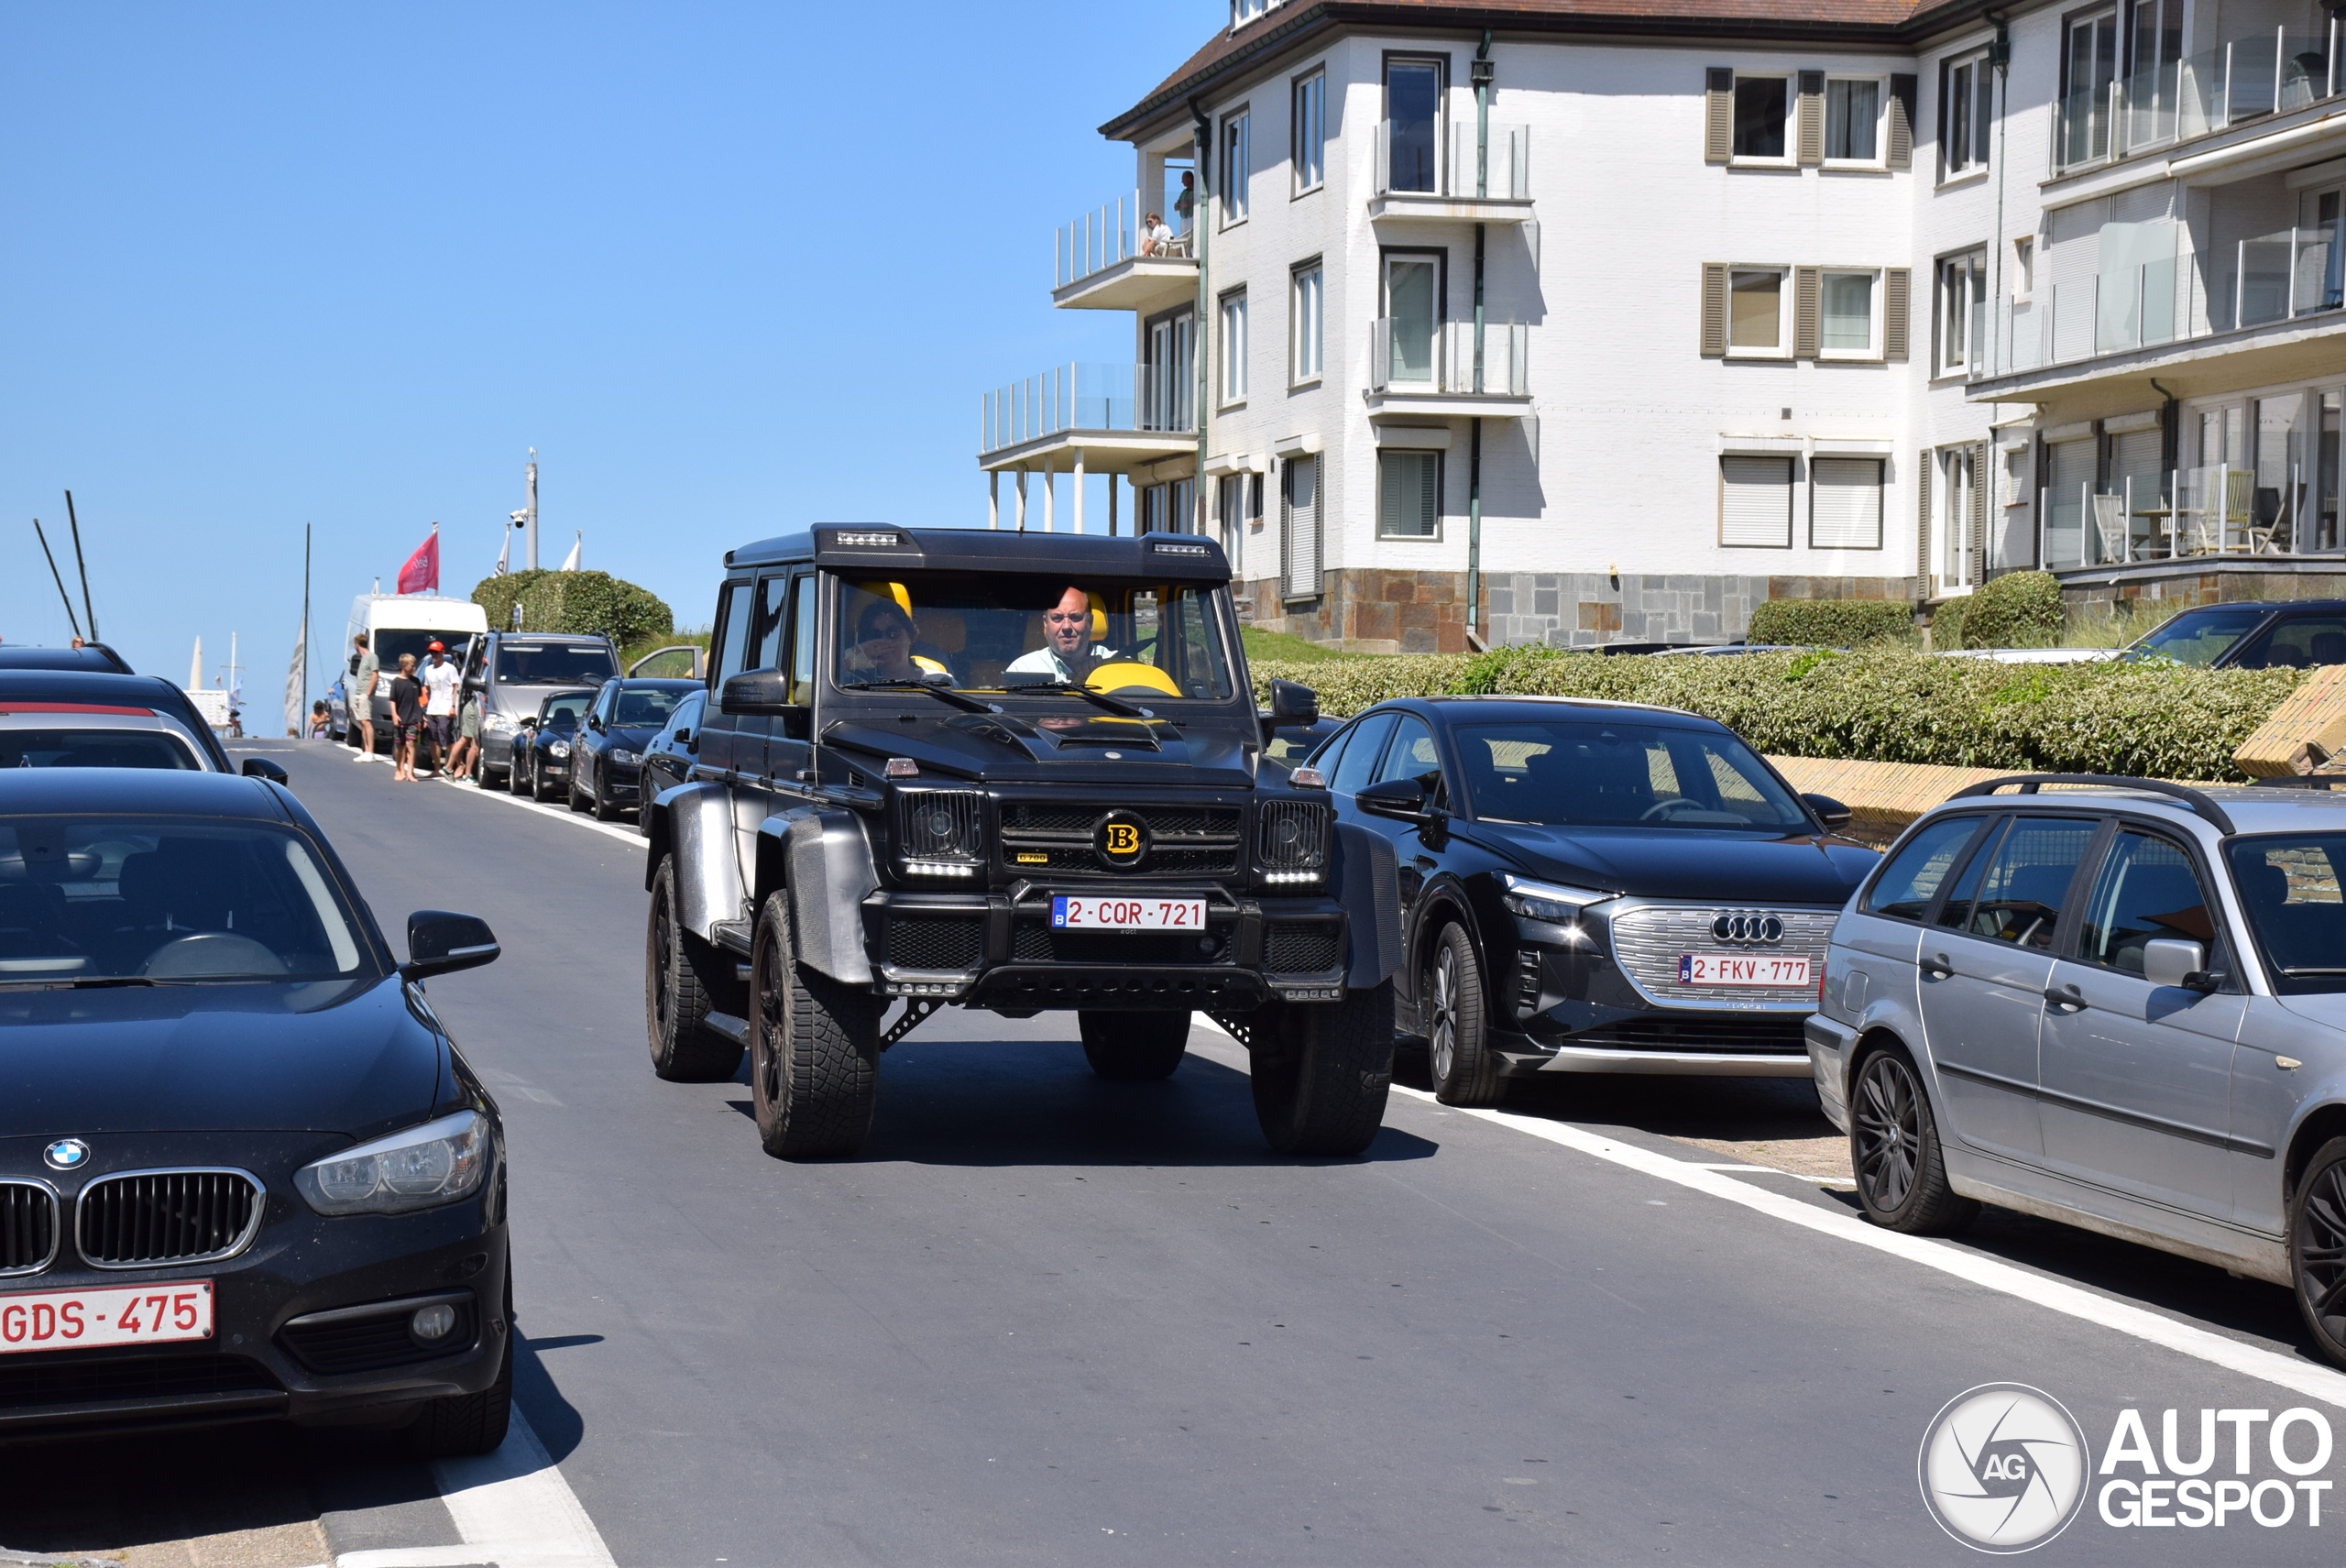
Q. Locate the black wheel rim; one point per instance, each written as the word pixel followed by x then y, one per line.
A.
pixel 772 1012
pixel 1441 1033
pixel 1887 1122
pixel 2321 1251
pixel 664 944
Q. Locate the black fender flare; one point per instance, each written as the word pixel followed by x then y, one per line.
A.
pixel 1368 884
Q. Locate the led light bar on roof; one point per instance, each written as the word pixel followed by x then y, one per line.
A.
pixel 871 540
pixel 1165 549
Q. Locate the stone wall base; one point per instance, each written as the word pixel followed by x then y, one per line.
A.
pixel 2182 591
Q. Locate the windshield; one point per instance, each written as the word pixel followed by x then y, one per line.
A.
pixel 389 642
pixel 1585 774
pixel 2290 888
pixel 645 707
pixel 2199 636
pixel 169 901
pixel 999 632
pixel 553 663
pixel 75 748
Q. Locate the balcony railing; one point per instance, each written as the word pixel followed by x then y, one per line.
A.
pixel 1077 396
pixel 1115 232
pixel 2273 278
pixel 2252 76
pixel 1409 162
pixel 2222 510
pixel 1439 358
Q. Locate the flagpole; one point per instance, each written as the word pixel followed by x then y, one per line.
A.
pixel 304 722
pixel 70 618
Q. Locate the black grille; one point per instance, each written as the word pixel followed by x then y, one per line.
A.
pixel 1771 1034
pixel 936 942
pixel 1031 944
pixel 1039 943
pixel 1030 858
pixel 131 1378
pixel 27 1226
pixel 1293 836
pixel 1185 840
pixel 165 1216
pixel 1062 816
pixel 1293 948
pixel 367 1345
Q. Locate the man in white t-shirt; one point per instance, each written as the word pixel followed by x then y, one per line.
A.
pixel 1067 652
pixel 440 680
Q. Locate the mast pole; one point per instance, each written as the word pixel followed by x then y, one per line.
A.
pixel 71 619
pixel 89 612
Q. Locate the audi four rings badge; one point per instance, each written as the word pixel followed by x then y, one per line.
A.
pixel 1748 926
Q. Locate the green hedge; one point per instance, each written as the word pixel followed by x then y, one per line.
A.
pixel 1946 622
pixel 2019 610
pixel 1881 705
pixel 576 601
pixel 1830 624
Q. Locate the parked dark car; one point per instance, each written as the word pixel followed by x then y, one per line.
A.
pixel 510 674
pixel 541 751
pixel 606 757
pixel 668 756
pixel 1594 887
pixel 2250 635
pixel 27 690
pixel 243 1171
pixel 93 657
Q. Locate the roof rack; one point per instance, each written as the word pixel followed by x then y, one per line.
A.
pixel 2197 800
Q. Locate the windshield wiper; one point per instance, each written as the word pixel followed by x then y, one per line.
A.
pixel 942 694
pixel 1112 705
pixel 71 983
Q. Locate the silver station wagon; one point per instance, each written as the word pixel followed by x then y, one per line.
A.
pixel 2120 1006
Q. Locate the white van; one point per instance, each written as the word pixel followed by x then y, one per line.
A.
pixel 396 624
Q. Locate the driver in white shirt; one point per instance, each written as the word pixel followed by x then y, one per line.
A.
pixel 1067 652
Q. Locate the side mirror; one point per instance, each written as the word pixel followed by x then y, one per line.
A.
pixel 1403 800
pixel 2171 960
pixel 263 768
pixel 1829 811
pixel 683 738
pixel 594 722
pixel 1293 706
pixel 438 942
pixel 755 692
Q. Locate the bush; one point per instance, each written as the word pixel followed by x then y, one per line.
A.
pixel 1881 705
pixel 1946 623
pixel 1830 624
pixel 576 601
pixel 2019 610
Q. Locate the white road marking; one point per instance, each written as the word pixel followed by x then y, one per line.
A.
pixel 2271 1366
pixel 512 1507
pixel 559 813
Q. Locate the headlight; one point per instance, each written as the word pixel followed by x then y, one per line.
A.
pixel 941 832
pixel 1549 901
pixel 499 724
pixel 1291 841
pixel 558 749
pixel 423 1167
pixel 628 758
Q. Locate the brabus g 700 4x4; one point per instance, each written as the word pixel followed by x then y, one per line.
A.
pixel 1014 772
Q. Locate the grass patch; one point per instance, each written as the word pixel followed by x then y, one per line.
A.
pixel 1286 648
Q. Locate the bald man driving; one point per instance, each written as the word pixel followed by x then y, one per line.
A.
pixel 1067 652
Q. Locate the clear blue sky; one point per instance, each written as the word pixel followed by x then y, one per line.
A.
pixel 729 268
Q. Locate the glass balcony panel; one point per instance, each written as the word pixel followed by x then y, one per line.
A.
pixel 1085 397
pixel 2065 529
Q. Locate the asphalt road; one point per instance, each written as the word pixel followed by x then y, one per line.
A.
pixel 1046 1319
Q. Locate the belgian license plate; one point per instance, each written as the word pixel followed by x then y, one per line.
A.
pixel 1090 913
pixel 117 1314
pixel 1742 969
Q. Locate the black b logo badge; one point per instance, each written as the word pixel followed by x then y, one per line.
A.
pixel 1121 839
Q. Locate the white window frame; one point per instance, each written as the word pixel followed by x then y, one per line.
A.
pixel 1234 151
pixel 1307 338
pixel 1975 258
pixel 1791 81
pixel 1308 91
pixel 1440 479
pixel 1873 349
pixel 1880 498
pixel 1974 61
pixel 1951 525
pixel 1784 349
pixel 1232 347
pixel 1881 159
pixel 2024 267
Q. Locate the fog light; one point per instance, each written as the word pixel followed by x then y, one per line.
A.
pixel 432 1322
pixel 1208 946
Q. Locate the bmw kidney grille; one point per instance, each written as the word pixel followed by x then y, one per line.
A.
pixel 142 1217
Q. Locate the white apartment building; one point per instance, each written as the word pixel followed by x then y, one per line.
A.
pixel 1612 323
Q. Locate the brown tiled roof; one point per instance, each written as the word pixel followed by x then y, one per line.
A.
pixel 1873 21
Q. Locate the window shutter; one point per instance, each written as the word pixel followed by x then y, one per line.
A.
pixel 1756 502
pixel 1845 503
pixel 1811 144
pixel 1807 282
pixel 1980 484
pixel 1923 525
pixel 1299 530
pixel 1901 121
pixel 1718 114
pixel 1715 308
pixel 1897 291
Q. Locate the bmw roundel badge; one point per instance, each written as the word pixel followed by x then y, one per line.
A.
pixel 66 1154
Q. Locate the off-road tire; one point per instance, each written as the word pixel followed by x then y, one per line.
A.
pixel 1459 1059
pixel 1134 1047
pixel 2318 1248
pixel 682 978
pixel 1894 1150
pixel 814 1049
pixel 1321 1071
pixel 460 1425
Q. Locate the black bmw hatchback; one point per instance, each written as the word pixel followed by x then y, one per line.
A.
pixel 1593 886
pixel 244 1172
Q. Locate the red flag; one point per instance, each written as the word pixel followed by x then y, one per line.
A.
pixel 421 573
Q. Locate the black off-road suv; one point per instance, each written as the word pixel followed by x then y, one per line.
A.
pixel 1014 772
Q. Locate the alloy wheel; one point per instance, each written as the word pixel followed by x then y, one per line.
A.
pixel 774 1008
pixel 1889 1121
pixel 664 935
pixel 2321 1250
pixel 1441 1032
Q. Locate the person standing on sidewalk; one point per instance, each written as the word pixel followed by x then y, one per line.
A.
pixel 439 678
pixel 366 672
pixel 466 756
pixel 407 719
